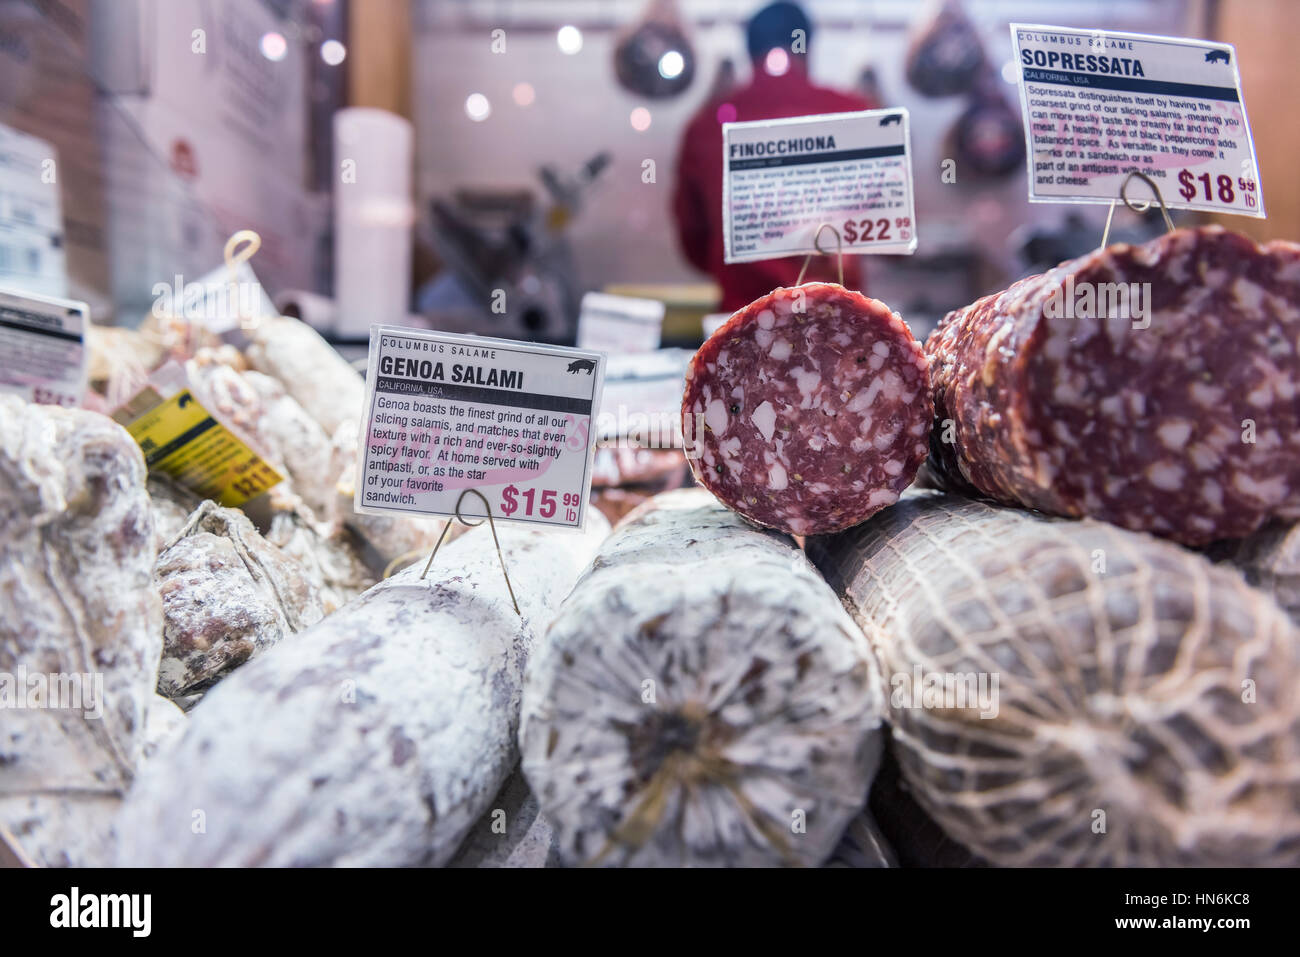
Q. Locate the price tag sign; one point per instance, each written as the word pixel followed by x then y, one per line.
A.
pixel 182 439
pixel 446 413
pixel 43 348
pixel 781 179
pixel 1098 105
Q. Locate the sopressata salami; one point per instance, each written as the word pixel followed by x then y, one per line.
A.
pixel 700 700
pixel 1156 387
pixel 1069 693
pixel 379 736
pixel 808 410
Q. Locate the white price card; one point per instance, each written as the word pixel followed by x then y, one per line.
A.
pixel 620 324
pixel 1098 105
pixel 43 348
pixel 781 179
pixel 32 257
pixel 512 420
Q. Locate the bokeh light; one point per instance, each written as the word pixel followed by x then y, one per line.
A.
pixel 477 107
pixel 671 65
pixel 640 119
pixel 524 94
pixel 333 52
pixel 569 39
pixel 274 46
pixel 726 113
pixel 777 62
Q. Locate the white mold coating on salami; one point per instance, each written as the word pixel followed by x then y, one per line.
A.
pixel 809 409
pixel 79 617
pixel 320 379
pixel 701 699
pixel 1184 422
pixel 228 594
pixel 376 738
pixel 1147 705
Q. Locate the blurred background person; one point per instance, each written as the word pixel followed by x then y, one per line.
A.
pixel 780 87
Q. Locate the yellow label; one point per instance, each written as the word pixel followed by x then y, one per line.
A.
pixel 180 439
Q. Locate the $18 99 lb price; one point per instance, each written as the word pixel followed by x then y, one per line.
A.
pixel 543 502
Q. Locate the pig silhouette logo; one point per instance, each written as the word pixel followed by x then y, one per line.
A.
pixel 894 118
pixel 582 365
pixel 1217 56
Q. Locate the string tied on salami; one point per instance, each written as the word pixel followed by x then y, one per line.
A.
pixel 239 249
pixel 496 541
pixel 1138 206
pixel 817 245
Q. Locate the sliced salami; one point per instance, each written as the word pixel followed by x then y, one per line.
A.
pixel 1156 387
pixel 808 410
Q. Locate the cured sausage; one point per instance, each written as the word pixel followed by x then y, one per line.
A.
pixel 1270 560
pixel 513 833
pixel 1156 387
pixel 332 392
pixel 80 626
pixel 1074 694
pixel 701 699
pixel 376 738
pixel 228 594
pixel 808 410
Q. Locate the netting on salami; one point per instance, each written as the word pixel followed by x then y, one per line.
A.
pixel 1151 386
pixel 808 410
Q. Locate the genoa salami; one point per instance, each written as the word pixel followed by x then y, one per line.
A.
pixel 1156 387
pixel 808 410
pixel 700 700
pixel 1074 694
pixel 379 736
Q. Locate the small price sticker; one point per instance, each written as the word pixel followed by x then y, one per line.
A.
pixel 43 348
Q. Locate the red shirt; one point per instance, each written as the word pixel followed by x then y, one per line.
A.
pixel 697 197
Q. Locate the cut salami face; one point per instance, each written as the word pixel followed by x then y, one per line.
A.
pixel 1156 387
pixel 809 410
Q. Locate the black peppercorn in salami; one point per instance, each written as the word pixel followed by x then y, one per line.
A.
pixel 1155 386
pixel 808 410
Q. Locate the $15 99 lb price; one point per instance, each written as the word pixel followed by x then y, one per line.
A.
pixel 543 502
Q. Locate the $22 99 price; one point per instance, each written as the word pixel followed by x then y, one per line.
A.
pixel 543 502
pixel 881 230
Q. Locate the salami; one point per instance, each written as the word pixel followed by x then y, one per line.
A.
pixel 1270 560
pixel 228 594
pixel 1156 387
pixel 808 410
pixel 320 379
pixel 1074 694
pixel 80 627
pixel 376 738
pixel 513 833
pixel 701 699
